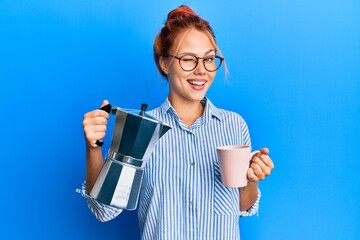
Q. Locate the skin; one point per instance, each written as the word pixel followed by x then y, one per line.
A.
pixel 185 99
pixel 94 124
pixel 184 96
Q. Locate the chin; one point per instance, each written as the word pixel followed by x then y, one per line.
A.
pixel 198 98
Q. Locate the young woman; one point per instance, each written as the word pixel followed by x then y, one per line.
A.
pixel 182 196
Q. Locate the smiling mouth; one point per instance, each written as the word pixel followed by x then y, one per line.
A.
pixel 197 83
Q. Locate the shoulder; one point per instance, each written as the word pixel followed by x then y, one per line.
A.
pixel 232 120
pixel 223 114
pixel 157 113
pixel 228 115
pixel 161 110
pixel 154 112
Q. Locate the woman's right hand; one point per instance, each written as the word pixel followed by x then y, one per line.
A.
pixel 94 124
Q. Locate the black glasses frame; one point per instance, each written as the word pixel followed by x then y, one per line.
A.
pixel 197 61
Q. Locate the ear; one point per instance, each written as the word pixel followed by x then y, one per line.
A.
pixel 164 65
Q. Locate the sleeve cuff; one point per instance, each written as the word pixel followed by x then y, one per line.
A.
pixel 254 208
pixel 101 211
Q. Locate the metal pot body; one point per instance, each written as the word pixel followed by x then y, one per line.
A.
pixel 118 185
pixel 133 140
pixel 134 136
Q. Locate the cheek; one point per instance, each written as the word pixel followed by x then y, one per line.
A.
pixel 177 74
pixel 211 78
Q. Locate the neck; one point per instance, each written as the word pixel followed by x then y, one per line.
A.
pixel 188 111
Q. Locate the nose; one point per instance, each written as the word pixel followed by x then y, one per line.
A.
pixel 200 68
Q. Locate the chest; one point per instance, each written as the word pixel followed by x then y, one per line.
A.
pixel 180 153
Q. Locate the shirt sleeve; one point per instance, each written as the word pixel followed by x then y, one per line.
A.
pixel 247 141
pixel 254 208
pixel 245 133
pixel 101 211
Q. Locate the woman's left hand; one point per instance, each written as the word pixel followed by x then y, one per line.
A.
pixel 261 166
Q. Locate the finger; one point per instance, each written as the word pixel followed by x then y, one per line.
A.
pixel 97 136
pixel 251 175
pixel 263 155
pixel 257 170
pixel 91 139
pixel 100 121
pixel 98 128
pixel 96 143
pixel 96 113
pixel 105 102
pixel 88 123
pixel 92 132
pixel 267 161
pixel 96 121
pixel 266 170
pixel 265 151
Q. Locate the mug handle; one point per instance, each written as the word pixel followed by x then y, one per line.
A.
pixel 253 153
pixel 107 108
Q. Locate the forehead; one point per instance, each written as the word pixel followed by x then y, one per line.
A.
pixel 193 41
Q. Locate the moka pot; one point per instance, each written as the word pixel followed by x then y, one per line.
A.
pixel 134 137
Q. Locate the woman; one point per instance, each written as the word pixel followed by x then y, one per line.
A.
pixel 182 196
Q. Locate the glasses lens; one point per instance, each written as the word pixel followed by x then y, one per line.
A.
pixel 188 62
pixel 212 63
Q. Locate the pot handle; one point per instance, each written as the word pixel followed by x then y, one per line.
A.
pixel 112 110
pixel 107 108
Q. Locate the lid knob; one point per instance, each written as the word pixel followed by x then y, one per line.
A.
pixel 143 109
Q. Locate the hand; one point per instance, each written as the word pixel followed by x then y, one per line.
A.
pixel 94 124
pixel 260 166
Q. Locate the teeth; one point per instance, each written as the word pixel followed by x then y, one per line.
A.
pixel 197 83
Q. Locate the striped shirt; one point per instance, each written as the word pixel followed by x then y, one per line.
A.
pixel 182 196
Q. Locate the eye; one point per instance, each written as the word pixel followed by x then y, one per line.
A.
pixel 209 59
pixel 188 58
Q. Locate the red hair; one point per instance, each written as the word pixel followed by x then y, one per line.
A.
pixel 178 20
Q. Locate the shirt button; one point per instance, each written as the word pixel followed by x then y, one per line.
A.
pixel 193 164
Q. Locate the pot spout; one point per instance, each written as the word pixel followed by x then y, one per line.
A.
pixel 163 129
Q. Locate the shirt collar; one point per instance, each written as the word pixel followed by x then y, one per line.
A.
pixel 165 107
pixel 210 109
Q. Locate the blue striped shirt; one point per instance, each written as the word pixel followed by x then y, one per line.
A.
pixel 182 196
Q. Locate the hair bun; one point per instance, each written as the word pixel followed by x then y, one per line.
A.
pixel 180 12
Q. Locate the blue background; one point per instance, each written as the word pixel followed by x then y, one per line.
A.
pixel 294 76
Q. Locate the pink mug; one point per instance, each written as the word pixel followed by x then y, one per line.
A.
pixel 234 161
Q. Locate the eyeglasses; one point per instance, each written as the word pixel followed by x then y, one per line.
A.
pixel 189 62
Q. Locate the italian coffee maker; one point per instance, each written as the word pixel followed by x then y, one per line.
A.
pixel 134 137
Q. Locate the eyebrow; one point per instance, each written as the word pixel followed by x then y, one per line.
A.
pixel 193 54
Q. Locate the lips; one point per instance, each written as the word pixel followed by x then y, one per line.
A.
pixel 197 84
